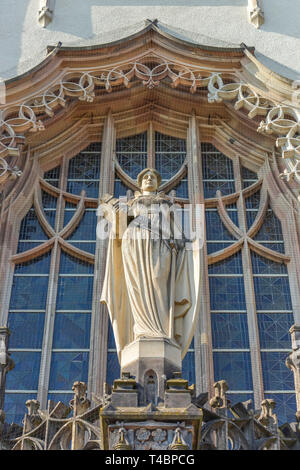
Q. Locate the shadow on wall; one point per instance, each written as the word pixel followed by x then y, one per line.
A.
pixel 12 16
pixel 282 17
pixel 66 15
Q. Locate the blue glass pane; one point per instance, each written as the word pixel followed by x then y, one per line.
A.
pixel 274 330
pixel 48 201
pixel 252 202
pixel 25 375
pixel 182 189
pixel 235 368
pixel 250 217
pixel 168 164
pixel 26 330
pixel 29 293
pixel 15 408
pixel 74 293
pixel 272 293
pixel 86 230
pixel 52 176
pixel 285 406
pixel 113 370
pixel 111 338
pixel 72 331
pixel 188 367
pixel 132 144
pixel 211 187
pixel 227 293
pixel 248 174
pixel 262 265
pixel 24 246
pixel 229 330
pixel 65 398
pixel 91 188
pixel 274 246
pixel 120 188
pixel 132 153
pixel 85 165
pixel 89 247
pixel 231 265
pixel 71 265
pixel 39 265
pixel 239 397
pixel 213 247
pixel 31 229
pixel 50 216
pixel 66 368
pixel 276 375
pixel 215 165
pixel 271 228
pixel 168 143
pixel 215 229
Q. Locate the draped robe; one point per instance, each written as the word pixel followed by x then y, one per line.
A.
pixel 152 281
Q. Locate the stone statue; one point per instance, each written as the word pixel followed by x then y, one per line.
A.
pixel 152 278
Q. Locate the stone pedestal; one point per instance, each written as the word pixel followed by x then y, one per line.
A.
pixel 151 361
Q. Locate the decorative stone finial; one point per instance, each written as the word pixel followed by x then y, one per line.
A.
pixel 255 13
pixel 219 400
pixel 122 443
pixel 267 417
pixel 79 403
pixel 45 14
pixel 178 442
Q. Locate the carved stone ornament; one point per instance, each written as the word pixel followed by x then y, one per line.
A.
pixel 45 14
pixel 255 13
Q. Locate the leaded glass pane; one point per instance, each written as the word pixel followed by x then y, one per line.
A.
pixel 248 177
pixel 48 201
pixel 229 330
pixel 250 217
pixel 274 246
pixel 29 293
pixel 24 246
pixel 71 265
pixel 132 153
pixel 262 265
pixel 213 247
pixel 74 293
pixel 215 165
pixel 181 189
pixel 235 398
pixel 111 344
pixel 235 368
pixel 113 370
pixel 30 228
pixel 67 368
pixel 271 228
pixel 274 330
pixel 169 144
pixel 85 165
pixel 188 367
pixel 231 265
pixel 90 187
pixel 276 375
pixel 63 397
pixel 227 293
pixel 25 374
pixel 272 293
pixel 90 247
pixel 86 229
pixel 52 176
pixel 170 153
pixel 285 406
pixel 72 331
pixel 120 188
pixel 215 229
pixel 15 408
pixel 253 201
pixel 26 330
pixel 211 187
pixel 39 265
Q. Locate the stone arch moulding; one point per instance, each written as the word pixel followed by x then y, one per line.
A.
pixel 150 59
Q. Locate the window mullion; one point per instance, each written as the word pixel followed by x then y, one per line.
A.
pixel 150 146
pixel 51 297
pixel 249 293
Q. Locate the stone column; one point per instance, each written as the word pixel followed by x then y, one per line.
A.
pixel 6 363
pixel 293 362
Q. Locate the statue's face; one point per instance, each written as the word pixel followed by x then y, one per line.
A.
pixel 149 182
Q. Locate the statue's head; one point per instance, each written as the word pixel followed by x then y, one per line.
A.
pixel 149 180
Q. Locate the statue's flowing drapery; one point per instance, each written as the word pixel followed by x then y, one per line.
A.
pixel 152 282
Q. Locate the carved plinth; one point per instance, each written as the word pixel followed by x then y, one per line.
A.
pixel 151 361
